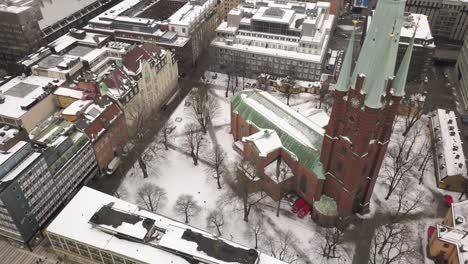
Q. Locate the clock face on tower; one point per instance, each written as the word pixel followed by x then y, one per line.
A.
pixel 354 102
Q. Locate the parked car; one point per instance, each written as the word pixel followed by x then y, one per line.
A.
pixel 298 205
pixel 464 119
pixel 113 165
pixel 430 231
pixel 304 210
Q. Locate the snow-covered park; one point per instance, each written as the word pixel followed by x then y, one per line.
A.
pixel 173 171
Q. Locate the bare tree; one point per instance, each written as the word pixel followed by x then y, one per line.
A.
pixel 151 196
pixel 187 207
pixel 283 172
pixel 282 247
pixel 405 205
pixel 215 220
pixel 333 237
pixel 166 129
pixel 392 244
pixel 414 111
pixel 217 169
pixel 194 141
pixel 401 159
pixel 427 152
pixel 121 193
pixel 204 108
pixel 139 116
pixel 247 176
pixel 257 228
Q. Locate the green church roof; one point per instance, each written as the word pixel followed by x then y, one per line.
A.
pixel 298 134
pixel 326 206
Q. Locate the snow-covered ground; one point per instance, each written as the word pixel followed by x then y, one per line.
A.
pixel 177 175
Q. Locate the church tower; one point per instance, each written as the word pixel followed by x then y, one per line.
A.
pixel 366 101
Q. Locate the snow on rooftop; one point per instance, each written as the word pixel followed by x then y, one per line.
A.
pixel 266 141
pixel 76 107
pixel 73 222
pixel 68 92
pixel 115 11
pixel 68 39
pixel 318 116
pixel 294 123
pixel 21 167
pixel 7 133
pixel 23 91
pixel 449 146
pixel 55 10
pixel 460 214
pixel 456 237
pixel 191 12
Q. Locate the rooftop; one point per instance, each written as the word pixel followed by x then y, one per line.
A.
pixel 449 146
pixel 298 134
pixel 55 10
pixel 22 92
pixel 120 226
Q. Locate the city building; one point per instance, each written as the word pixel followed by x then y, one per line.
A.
pixel 39 176
pixel 26 25
pixel 104 123
pixel 20 33
pixel 188 30
pixel 449 159
pixel 461 71
pixel 27 101
pixel 142 82
pixel 278 38
pixel 98 228
pixel 447 18
pixel 334 169
pixel 71 54
pixel 448 242
pixel 423 50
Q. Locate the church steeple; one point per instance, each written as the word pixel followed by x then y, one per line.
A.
pixel 399 83
pixel 386 21
pixel 345 74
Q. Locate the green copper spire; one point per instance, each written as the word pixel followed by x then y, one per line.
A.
pixel 345 74
pixel 386 21
pixel 399 83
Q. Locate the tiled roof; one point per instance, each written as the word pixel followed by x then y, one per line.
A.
pixel 146 51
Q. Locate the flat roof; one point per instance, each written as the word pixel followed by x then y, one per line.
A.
pixel 56 10
pixel 450 145
pixel 4 156
pixel 23 91
pixel 74 222
pixel 189 12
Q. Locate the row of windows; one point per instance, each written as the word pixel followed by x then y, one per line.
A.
pixel 87 252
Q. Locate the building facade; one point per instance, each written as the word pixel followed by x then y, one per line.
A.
pixel 285 38
pixel 461 72
pixel 37 181
pixel 447 18
pixel 144 80
pixel 333 169
pixel 84 233
pixel 20 33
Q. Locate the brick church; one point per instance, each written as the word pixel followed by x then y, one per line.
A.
pixel 334 164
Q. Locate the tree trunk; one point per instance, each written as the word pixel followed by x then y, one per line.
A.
pixel 256 240
pixel 186 217
pixel 219 231
pixel 278 207
pixel 143 167
pixel 218 178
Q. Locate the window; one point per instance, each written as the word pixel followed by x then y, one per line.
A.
pixel 303 184
pixel 183 30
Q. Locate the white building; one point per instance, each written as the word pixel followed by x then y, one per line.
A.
pixel 276 37
pixel 98 228
pixel 450 160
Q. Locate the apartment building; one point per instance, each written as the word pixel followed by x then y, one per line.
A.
pixel 39 176
pixel 275 37
pixel 98 228
pixel 20 33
